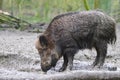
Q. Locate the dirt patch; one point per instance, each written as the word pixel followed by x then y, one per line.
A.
pixel 19 59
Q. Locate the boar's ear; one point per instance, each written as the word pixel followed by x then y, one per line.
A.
pixel 43 41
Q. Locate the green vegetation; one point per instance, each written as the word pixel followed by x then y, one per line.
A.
pixel 34 11
pixel 86 5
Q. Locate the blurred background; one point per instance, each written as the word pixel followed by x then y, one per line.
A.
pixel 35 11
pixel 21 21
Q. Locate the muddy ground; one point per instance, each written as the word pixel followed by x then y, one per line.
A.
pixel 19 59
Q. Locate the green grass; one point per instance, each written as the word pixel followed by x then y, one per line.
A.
pixel 41 10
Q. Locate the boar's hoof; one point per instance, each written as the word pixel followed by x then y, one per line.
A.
pixel 112 68
pixel 62 69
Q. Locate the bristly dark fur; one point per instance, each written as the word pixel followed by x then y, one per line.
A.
pixel 84 27
pixel 80 30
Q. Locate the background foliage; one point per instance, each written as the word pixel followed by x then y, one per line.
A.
pixel 44 10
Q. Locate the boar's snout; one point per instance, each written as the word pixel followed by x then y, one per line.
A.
pixel 48 64
pixel 45 65
pixel 45 68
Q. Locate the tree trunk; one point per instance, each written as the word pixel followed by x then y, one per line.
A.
pixel 86 5
pixel 1 2
pixel 96 4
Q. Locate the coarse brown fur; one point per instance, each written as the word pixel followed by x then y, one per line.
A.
pixel 67 33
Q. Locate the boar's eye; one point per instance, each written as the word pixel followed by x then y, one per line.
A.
pixel 41 51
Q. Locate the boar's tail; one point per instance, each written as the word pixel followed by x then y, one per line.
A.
pixel 112 33
pixel 112 38
pixel 108 34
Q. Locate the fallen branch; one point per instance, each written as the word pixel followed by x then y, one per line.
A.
pixel 6 18
pixel 84 75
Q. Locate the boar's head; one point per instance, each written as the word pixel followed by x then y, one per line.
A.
pixel 47 52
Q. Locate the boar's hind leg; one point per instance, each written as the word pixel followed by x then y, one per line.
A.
pixel 101 48
pixel 64 64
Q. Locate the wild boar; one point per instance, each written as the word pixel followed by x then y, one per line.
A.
pixel 70 32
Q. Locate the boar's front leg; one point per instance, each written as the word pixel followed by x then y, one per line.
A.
pixel 68 59
pixel 65 63
pixel 70 62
